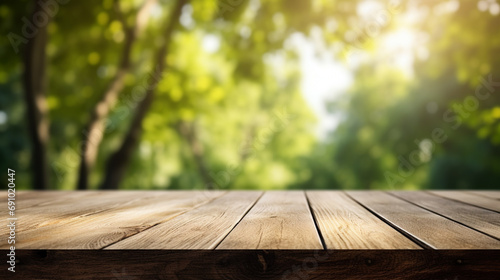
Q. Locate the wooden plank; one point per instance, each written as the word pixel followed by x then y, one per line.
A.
pixel 464 197
pixel 99 229
pixel 257 264
pixel 478 218
pixel 430 229
pixel 344 224
pixel 27 199
pixel 59 207
pixel 280 220
pixel 201 228
pixel 488 194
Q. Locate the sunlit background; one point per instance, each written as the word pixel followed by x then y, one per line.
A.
pixel 250 94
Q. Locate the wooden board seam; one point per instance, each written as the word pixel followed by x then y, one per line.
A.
pixel 480 195
pixel 320 234
pixel 156 224
pixel 446 217
pixel 408 235
pixel 449 198
pixel 244 215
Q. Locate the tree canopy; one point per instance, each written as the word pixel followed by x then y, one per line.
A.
pixel 208 94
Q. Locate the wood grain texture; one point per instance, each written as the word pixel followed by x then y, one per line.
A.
pixel 201 228
pixel 487 194
pixel 480 219
pixel 37 209
pixel 344 224
pixel 41 208
pixel 428 228
pixel 469 198
pixel 279 220
pixel 98 229
pixel 230 220
pixel 257 264
pixel 27 199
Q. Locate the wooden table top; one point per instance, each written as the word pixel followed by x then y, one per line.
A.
pixel 300 220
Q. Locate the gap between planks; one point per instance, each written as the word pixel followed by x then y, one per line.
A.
pixel 435 231
pixel 482 220
pixel 180 214
pixel 244 215
pixel 96 231
pixel 468 198
pixel 280 220
pixel 200 228
pixel 320 234
pixel 306 207
pixel 405 233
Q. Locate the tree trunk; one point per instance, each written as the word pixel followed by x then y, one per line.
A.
pixel 93 134
pixel 36 105
pixel 188 132
pixel 118 162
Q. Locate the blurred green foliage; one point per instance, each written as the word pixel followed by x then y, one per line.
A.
pixel 229 111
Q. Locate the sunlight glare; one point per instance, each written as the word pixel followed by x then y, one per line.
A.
pixel 399 48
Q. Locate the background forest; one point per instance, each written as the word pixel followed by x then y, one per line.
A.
pixel 179 94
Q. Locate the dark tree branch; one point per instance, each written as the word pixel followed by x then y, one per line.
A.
pixel 118 162
pixel 94 131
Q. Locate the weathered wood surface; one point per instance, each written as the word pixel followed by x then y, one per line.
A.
pixel 488 194
pixel 289 220
pixel 425 227
pixel 113 223
pixel 201 228
pixel 345 224
pixel 256 235
pixel 470 198
pixel 480 219
pixel 280 220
